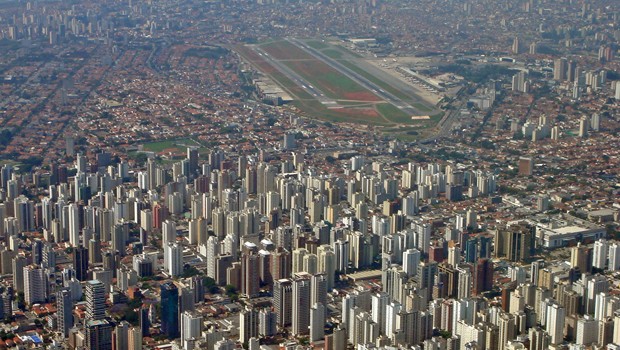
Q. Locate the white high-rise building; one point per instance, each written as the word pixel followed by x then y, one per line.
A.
pixel 267 323
pixel 599 255
pixel 379 301
pixel 454 254
pixel 556 317
pixel 248 324
pixel 587 331
pixel 595 122
pixel 35 284
pixel 463 310
pixel 422 236
pixel 191 328
pixel 517 273
pixel 169 231
pixel 74 224
pixel 327 264
pixel 317 322
pixel 341 250
pixel 318 289
pixel 616 338
pixel 389 326
pixel 410 203
pixel 173 259
pixel 595 284
pixel 614 255
pixel 411 260
pixel 600 306
pixel 212 252
pixel 301 304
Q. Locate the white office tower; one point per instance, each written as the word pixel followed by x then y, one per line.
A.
pixel 357 162
pixel 173 259
pixel 614 255
pixel 341 249
pixel 616 338
pixel 594 285
pixel 555 319
pixel 191 328
pixel 599 255
pixel 454 254
pixel 348 307
pixel 535 271
pixel 410 203
pixel 517 274
pixel 600 306
pixel 379 301
pixel 463 310
pixel 411 260
pixel 301 304
pixel 317 322
pixel 421 236
pixel 212 252
pixel 267 323
pixel 327 264
pixel 35 284
pixel 587 330
pixel 74 224
pixel 248 325
pixel 169 231
pixel 595 122
pixel 389 325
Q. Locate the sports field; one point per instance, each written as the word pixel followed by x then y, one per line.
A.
pixel 306 70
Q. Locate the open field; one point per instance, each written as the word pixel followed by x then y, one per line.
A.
pixel 340 92
pixel 176 145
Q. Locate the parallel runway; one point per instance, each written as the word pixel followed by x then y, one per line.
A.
pixel 377 90
pixel 296 78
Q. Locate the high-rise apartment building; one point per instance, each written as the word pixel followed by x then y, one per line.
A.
pixel 95 300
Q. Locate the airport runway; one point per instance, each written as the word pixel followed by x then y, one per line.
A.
pixel 377 90
pixel 296 78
